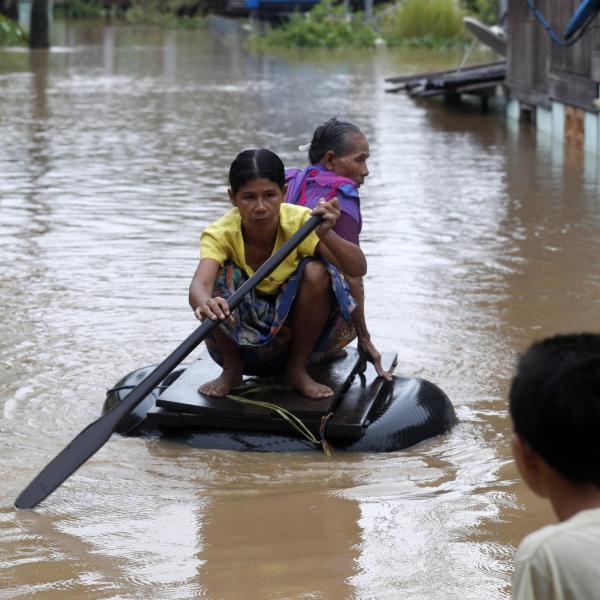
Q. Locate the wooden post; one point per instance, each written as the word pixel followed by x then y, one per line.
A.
pixel 39 31
pixel 575 125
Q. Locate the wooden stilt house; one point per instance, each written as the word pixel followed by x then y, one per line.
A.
pixel 554 85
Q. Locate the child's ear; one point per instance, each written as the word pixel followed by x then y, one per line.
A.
pixel 231 196
pixel 530 465
pixel 284 189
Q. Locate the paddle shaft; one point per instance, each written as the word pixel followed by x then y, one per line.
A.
pixel 95 435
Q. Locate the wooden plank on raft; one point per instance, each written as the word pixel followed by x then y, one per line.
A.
pixel 350 417
pixel 181 405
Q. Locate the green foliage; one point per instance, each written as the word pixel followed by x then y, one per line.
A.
pixel 325 26
pixel 424 22
pixel 79 9
pixel 163 13
pixel 10 33
pixel 485 10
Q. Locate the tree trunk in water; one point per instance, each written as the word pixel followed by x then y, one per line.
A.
pixel 40 27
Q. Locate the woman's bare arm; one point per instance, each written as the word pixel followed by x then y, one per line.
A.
pixel 201 289
pixel 345 255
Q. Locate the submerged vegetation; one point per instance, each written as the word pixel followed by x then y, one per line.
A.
pixel 79 9
pixel 181 14
pixel 10 33
pixel 405 22
pixel 325 26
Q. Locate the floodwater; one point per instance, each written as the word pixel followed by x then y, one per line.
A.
pixel 480 236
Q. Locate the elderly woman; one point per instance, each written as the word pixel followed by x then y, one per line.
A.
pixel 338 156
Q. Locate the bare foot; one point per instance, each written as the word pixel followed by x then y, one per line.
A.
pixel 306 385
pixel 221 386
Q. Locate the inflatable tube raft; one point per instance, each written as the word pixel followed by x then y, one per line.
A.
pixel 366 413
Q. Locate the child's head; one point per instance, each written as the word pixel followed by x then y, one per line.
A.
pixel 555 405
pixel 251 165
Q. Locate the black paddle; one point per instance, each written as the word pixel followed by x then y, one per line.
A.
pixel 95 435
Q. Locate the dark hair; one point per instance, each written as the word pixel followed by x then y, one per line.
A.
pixel 250 165
pixel 555 404
pixel 331 135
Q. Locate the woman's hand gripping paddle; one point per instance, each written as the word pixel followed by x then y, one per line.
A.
pixel 95 435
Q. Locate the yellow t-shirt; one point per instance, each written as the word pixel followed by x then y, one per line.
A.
pixel 223 240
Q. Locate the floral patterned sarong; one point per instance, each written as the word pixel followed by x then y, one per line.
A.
pixel 262 326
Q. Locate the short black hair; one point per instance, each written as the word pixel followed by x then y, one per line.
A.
pixel 257 163
pixel 331 135
pixel 555 404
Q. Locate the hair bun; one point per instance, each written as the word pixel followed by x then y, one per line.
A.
pixel 331 135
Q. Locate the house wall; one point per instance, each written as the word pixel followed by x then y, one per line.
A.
pixel 556 87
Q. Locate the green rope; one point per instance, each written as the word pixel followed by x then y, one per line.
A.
pixel 285 414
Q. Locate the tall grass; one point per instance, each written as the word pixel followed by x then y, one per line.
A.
pixel 425 22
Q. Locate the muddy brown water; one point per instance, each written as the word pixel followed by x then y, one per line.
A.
pixel 480 236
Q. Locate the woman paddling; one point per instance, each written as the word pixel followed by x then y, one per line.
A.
pixel 338 156
pixel 297 314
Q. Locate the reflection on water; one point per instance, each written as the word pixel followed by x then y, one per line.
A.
pixel 114 150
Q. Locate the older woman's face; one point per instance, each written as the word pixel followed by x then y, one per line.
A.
pixel 353 164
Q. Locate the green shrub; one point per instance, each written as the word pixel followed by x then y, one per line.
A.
pixel 10 33
pixel 325 26
pixel 161 13
pixel 79 9
pixel 424 22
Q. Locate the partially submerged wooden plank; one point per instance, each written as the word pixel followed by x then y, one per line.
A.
pixel 417 76
pixel 459 79
pixel 480 89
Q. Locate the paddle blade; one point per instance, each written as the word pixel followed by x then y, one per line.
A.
pixel 83 446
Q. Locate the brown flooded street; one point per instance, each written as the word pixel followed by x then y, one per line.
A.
pixel 480 237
